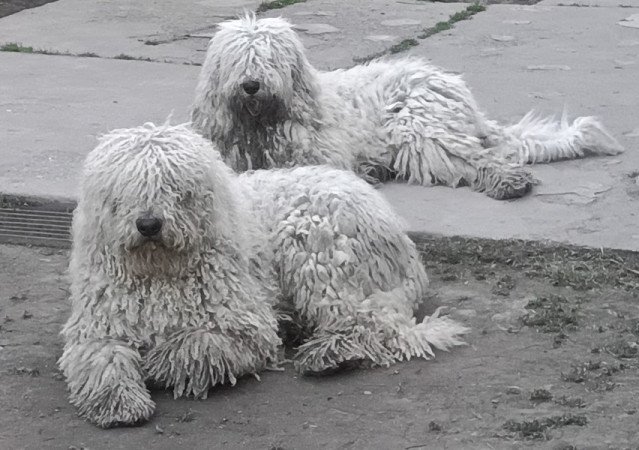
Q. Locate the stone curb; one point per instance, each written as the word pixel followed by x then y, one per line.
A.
pixel 67 205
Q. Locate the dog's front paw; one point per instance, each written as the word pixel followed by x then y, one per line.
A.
pixel 192 361
pixel 126 404
pixel 505 183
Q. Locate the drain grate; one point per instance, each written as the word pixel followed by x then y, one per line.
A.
pixel 44 225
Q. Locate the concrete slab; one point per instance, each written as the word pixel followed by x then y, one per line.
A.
pixel 366 27
pixel 158 30
pixel 169 31
pixel 515 58
pixel 592 201
pixel 53 107
pixel 518 58
pixel 629 4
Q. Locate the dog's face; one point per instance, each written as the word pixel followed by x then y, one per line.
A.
pixel 151 197
pixel 257 66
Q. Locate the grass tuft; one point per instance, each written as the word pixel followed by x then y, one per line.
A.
pixel 132 58
pixel 550 314
pixel 16 48
pixel 597 375
pixel 466 14
pixel 536 429
pixel 571 402
pixel 19 48
pixel 540 396
pixel 403 46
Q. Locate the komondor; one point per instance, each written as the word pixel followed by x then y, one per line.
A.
pixel 262 102
pixel 181 268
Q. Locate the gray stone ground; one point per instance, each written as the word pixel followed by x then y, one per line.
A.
pixel 515 58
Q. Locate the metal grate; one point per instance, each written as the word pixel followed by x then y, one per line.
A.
pixel 36 225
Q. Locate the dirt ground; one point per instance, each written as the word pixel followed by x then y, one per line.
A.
pixel 551 363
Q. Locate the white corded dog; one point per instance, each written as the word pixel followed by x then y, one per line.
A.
pixel 262 102
pixel 180 267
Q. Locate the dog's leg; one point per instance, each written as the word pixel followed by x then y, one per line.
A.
pixel 106 383
pixel 459 162
pixel 354 280
pixel 196 359
pixel 438 139
pixel 378 332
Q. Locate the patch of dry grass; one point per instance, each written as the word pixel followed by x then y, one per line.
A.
pixel 537 429
pixel 581 268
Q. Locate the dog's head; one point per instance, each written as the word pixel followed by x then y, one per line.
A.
pixel 153 197
pixel 256 75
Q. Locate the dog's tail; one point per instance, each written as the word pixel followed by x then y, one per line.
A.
pixel 542 140
pixel 434 332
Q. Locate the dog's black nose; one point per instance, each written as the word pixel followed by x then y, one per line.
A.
pixel 148 226
pixel 251 87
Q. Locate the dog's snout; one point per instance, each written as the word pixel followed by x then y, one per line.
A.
pixel 251 87
pixel 148 226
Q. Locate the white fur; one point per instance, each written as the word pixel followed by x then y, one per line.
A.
pixel 402 118
pixel 195 306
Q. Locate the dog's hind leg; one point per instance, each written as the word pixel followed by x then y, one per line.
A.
pixel 427 156
pixel 376 333
pixel 354 280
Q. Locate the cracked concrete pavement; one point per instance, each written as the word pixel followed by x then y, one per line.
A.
pixel 515 58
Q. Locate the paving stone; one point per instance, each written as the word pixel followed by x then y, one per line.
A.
pixel 381 38
pixel 401 23
pixel 501 38
pixel 548 67
pixel 630 21
pixel 517 22
pixel 316 28
pixel 315 13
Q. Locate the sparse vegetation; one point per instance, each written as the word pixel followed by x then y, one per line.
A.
pixel 623 349
pixel 595 375
pixel 571 402
pixel 403 45
pixel 408 43
pixel 550 314
pixel 457 17
pixel 131 58
pixel 15 47
pixel 581 268
pixel 540 396
pixel 504 285
pixel 537 429
pixel 438 28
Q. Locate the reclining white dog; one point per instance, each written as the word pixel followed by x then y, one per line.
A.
pixel 178 265
pixel 265 106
